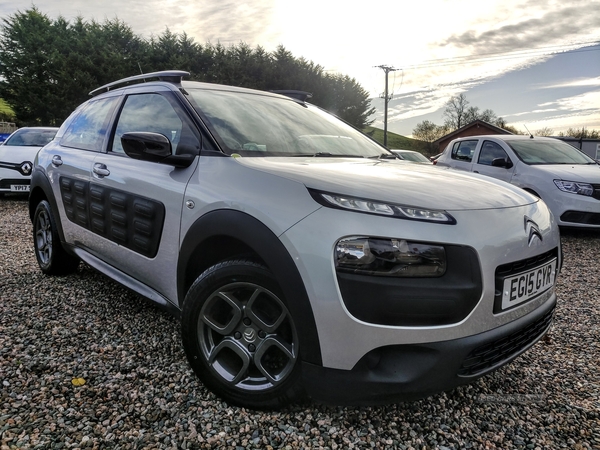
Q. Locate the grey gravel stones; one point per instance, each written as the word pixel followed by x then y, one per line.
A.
pixel 84 363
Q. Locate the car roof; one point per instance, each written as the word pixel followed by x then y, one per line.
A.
pixel 507 137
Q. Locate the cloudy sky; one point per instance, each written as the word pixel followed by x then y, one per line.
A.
pixel 535 63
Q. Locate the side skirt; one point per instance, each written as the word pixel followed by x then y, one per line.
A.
pixel 127 281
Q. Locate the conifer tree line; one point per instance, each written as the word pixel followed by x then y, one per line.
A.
pixel 49 66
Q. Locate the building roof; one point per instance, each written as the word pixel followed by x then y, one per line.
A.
pixel 476 123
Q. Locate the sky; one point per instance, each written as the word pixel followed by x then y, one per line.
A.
pixel 535 63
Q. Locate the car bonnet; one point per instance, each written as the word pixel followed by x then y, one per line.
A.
pixel 589 173
pixel 399 182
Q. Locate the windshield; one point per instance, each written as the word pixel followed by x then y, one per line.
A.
pixel 262 125
pixel 548 152
pixel 30 137
pixel 413 156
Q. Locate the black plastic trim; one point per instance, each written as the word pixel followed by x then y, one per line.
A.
pixel 582 217
pixel 39 181
pixel 5 183
pixel 416 301
pixel 132 221
pixel 203 239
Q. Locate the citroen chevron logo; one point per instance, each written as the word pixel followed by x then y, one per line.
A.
pixel 533 233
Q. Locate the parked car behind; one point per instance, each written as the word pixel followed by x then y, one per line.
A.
pixel 300 258
pixel 411 156
pixel 17 153
pixel 561 175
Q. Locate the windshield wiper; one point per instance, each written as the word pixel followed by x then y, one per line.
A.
pixel 384 156
pixel 327 155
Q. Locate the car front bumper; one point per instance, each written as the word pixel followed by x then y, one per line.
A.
pixel 413 371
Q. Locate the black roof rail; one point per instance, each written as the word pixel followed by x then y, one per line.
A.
pixel 298 95
pixel 171 76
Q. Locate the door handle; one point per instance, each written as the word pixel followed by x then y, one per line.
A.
pixel 57 161
pixel 101 170
pixel 476 171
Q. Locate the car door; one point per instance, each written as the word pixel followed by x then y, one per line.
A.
pixel 136 205
pixel 461 154
pixel 68 161
pixel 488 152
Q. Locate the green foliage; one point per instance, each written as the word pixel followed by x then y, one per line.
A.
pixel 429 132
pixel 395 141
pixel 6 112
pixel 581 133
pixel 48 67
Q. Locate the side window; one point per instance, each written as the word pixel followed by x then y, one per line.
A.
pixel 88 130
pixel 489 152
pixel 463 150
pixel 154 113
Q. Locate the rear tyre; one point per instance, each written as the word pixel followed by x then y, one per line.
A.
pixel 240 338
pixel 49 252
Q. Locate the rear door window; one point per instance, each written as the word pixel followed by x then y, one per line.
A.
pixel 88 130
pixel 463 150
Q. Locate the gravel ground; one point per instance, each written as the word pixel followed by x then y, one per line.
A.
pixel 84 363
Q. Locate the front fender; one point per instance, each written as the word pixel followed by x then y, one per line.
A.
pixel 235 226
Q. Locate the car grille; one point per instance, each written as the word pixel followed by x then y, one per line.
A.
pixel 493 354
pixel 596 193
pixel 6 182
pixel 507 270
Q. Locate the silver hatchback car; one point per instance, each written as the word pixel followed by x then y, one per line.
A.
pixel 301 256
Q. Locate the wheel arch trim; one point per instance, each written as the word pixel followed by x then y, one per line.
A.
pixel 239 226
pixel 40 182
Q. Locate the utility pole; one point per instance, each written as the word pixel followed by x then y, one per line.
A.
pixel 386 100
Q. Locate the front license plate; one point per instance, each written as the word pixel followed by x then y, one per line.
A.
pixel 19 188
pixel 526 285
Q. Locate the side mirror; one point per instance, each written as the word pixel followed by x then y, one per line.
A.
pixel 153 147
pixel 501 162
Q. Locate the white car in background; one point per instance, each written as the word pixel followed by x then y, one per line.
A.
pixel 561 175
pixel 17 153
pixel 411 156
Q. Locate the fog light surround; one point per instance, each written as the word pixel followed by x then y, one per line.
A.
pixel 389 257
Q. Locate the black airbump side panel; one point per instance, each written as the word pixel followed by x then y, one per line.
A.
pixel 131 221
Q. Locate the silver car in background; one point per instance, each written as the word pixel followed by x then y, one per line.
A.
pixel 301 256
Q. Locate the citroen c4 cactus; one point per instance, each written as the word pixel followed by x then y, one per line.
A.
pixel 302 258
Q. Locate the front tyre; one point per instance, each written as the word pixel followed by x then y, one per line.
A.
pixel 240 338
pixel 49 252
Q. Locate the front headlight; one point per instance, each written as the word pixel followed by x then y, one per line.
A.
pixel 390 257
pixel 573 187
pixel 369 206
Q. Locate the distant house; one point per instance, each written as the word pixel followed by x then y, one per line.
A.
pixel 590 147
pixel 475 128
